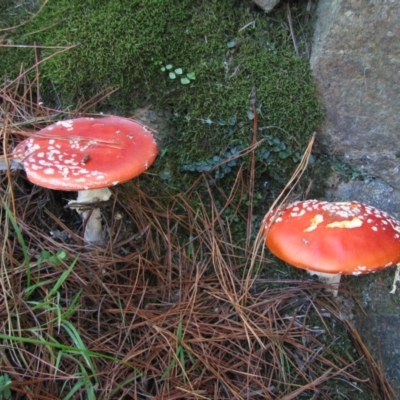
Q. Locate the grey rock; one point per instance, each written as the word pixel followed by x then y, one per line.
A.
pixel 356 62
pixel 380 334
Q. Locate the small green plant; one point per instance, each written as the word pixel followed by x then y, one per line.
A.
pixel 174 73
pixel 54 259
pixel 223 163
pixel 349 172
pixel 5 384
pixel 279 148
pixel 179 355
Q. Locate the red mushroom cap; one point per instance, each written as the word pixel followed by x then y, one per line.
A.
pixel 87 153
pixel 337 238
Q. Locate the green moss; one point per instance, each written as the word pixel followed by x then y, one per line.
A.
pixel 230 49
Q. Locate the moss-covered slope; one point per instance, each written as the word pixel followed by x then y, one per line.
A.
pixel 227 49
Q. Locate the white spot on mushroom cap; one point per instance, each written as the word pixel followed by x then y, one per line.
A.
pixel 347 224
pixel 44 163
pixel 352 213
pixel 315 221
pixel 390 264
pixel 51 155
pixel 66 124
pixel 297 214
pixel 82 171
pixel 71 162
pixel 65 172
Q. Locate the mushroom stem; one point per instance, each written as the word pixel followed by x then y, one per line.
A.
pixel 396 279
pixel 93 233
pixel 333 280
pixel 12 164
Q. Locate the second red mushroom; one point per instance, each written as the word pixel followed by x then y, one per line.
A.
pixel 333 238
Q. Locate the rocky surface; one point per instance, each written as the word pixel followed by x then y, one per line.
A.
pixel 356 62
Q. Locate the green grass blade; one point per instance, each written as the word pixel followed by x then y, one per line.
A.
pixel 169 367
pixel 20 240
pixel 72 306
pixel 66 348
pixel 62 279
pixel 83 380
pixel 76 338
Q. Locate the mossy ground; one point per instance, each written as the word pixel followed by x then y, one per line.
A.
pixel 231 49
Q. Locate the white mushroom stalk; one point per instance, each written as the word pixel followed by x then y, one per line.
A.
pixel 395 279
pixel 332 280
pixel 92 218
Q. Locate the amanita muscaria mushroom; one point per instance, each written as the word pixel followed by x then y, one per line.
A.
pixel 333 238
pixel 87 155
